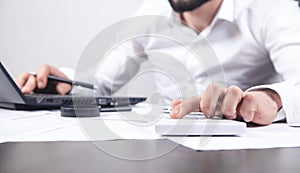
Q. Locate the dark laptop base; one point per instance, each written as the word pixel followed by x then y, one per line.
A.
pixel 13 106
pixel 11 97
pixel 104 102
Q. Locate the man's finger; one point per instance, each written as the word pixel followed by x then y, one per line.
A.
pixel 209 103
pixel 30 85
pixel 22 79
pixel 63 88
pixel 186 106
pixel 176 102
pixel 232 98
pixel 42 74
pixel 248 107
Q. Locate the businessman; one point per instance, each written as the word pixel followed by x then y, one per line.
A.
pixel 257 43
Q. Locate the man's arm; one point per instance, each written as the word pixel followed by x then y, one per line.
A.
pixel 280 36
pixel 260 106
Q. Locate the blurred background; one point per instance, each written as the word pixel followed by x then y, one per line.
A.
pixel 53 31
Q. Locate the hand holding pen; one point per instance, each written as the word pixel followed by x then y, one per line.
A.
pixel 29 82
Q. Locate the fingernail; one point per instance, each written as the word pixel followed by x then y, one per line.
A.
pixel 231 117
pixel 24 89
pixel 175 111
pixel 247 120
pixel 40 84
pixel 250 118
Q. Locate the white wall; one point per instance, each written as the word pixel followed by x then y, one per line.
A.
pixel 53 31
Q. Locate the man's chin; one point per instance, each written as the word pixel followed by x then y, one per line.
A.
pixel 181 6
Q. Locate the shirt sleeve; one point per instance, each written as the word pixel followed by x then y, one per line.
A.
pixel 114 70
pixel 118 67
pixel 120 64
pixel 281 36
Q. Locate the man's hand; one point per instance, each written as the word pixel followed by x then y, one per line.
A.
pixel 28 82
pixel 259 106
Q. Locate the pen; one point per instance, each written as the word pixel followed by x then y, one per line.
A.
pixel 71 82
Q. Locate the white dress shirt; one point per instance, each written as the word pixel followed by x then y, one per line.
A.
pixel 253 44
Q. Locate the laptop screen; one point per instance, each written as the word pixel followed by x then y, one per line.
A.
pixel 9 91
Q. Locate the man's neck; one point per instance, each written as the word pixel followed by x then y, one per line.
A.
pixel 201 17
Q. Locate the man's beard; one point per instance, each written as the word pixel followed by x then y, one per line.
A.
pixel 181 6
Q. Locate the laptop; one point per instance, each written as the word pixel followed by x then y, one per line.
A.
pixel 11 97
pixel 195 124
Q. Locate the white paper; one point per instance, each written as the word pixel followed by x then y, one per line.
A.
pixel 272 136
pixel 50 126
pixel 13 129
pixel 120 130
pixel 6 114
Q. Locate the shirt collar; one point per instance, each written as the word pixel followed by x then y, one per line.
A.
pixel 226 11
